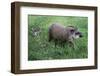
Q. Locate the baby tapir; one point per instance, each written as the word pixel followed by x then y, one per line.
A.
pixel 59 33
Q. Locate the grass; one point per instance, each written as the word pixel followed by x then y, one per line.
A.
pixel 40 49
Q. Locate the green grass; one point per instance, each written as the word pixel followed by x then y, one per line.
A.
pixel 40 49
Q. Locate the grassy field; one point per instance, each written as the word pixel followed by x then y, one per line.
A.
pixel 40 49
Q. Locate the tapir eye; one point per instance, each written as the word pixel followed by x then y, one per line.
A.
pixel 72 30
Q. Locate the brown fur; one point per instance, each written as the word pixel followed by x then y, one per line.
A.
pixel 59 33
